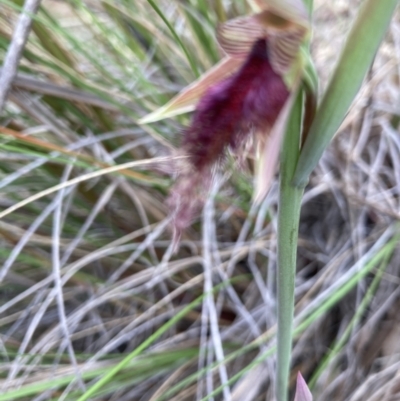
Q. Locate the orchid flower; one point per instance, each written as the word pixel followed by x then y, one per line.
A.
pixel 247 94
pixel 303 393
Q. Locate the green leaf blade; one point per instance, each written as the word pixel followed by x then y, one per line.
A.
pixel 357 56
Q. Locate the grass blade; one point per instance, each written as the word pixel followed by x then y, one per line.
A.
pixel 362 43
pixel 176 36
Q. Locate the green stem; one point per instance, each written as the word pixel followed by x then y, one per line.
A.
pixel 288 224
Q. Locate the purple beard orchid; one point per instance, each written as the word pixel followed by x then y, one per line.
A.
pixel 248 101
pixel 248 94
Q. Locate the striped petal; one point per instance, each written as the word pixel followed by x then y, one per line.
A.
pixel 237 36
pixel 284 49
pixel 268 150
pixel 187 99
pixel 284 23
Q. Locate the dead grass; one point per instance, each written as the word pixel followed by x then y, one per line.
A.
pixel 89 275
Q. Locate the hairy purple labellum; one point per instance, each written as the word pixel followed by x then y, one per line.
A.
pixel 248 101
